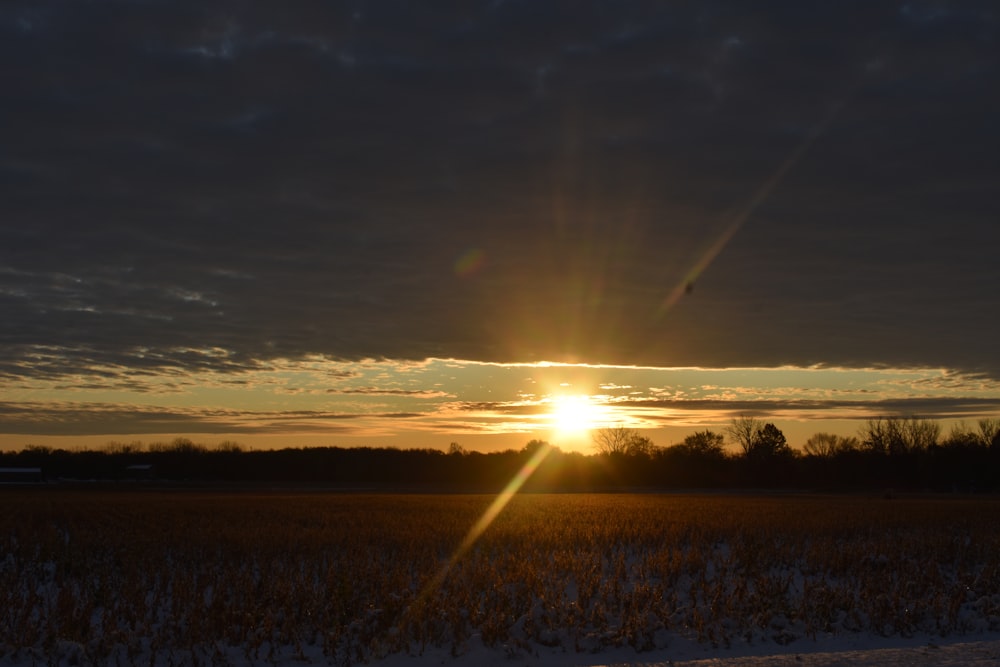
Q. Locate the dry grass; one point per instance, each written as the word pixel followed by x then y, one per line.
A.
pixel 145 577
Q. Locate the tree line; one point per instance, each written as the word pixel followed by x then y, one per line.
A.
pixel 904 453
pixel 888 452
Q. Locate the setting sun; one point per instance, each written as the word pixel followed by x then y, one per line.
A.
pixel 573 416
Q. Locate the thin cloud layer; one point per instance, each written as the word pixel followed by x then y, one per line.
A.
pixel 372 400
pixel 210 187
pixel 88 418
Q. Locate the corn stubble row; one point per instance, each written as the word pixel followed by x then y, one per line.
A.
pixel 150 579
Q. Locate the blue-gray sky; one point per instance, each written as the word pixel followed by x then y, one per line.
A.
pixel 226 187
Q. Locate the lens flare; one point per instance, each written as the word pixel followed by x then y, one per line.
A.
pixel 686 285
pixel 487 518
pixel 491 513
pixel 470 262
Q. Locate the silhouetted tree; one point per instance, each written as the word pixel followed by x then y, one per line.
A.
pixel 533 446
pixel 622 441
pixel 989 431
pixel 756 439
pixel 704 443
pixel 700 460
pixel 229 447
pixel 962 436
pixel 968 459
pixel 899 435
pixel 921 433
pixel 121 448
pixel 769 442
pixel 743 430
pixel 826 445
pixel 641 445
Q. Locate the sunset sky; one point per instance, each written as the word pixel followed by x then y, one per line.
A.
pixel 378 223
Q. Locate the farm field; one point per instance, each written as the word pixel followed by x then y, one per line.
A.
pixel 145 577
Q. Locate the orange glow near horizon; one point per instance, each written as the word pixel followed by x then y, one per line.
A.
pixel 483 406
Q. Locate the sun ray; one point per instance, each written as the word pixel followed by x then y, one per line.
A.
pixel 487 518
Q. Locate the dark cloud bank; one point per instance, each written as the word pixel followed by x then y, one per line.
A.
pixel 274 181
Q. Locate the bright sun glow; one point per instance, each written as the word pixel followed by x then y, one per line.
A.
pixel 573 416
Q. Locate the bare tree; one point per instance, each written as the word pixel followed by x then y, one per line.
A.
pixel 826 445
pixel 621 440
pixel 757 439
pixel 899 435
pixel 877 435
pixel 920 434
pixel 823 445
pixel 611 439
pixel 962 436
pixel 989 431
pixel 743 430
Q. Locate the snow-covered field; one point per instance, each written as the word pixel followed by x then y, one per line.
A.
pixel 856 651
pixel 860 651
pixel 180 579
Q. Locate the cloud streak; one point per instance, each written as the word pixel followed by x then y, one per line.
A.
pixel 86 419
pixel 379 399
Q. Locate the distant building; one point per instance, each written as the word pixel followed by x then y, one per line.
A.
pixel 140 471
pixel 21 476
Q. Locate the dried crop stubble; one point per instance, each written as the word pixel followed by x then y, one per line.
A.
pixel 143 575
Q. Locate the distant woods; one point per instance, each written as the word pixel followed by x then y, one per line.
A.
pixel 901 453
